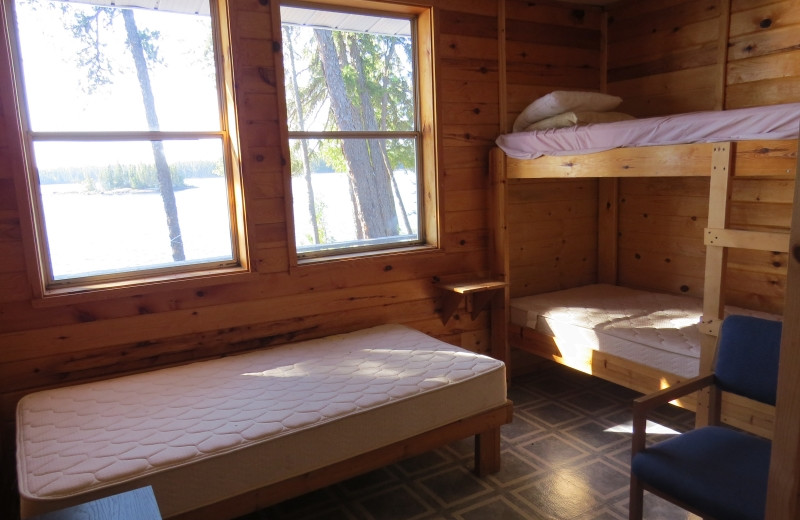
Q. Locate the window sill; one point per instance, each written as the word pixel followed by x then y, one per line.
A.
pixel 120 289
pixel 418 249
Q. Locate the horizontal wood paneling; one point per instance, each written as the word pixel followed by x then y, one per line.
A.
pixel 663 56
pixel 553 230
pixel 661 223
pixel 550 46
pixel 46 345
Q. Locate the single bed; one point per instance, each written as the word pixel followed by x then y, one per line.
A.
pixel 221 438
pixel 759 142
pixel 658 330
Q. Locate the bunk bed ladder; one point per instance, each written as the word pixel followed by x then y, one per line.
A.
pixel 719 238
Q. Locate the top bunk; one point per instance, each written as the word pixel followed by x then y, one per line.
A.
pixel 667 146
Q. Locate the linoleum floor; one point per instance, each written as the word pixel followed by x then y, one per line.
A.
pixel 565 457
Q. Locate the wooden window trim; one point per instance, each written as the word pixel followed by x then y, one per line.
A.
pixel 47 293
pixel 429 140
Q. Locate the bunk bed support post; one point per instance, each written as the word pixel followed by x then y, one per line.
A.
pixel 716 262
pixel 499 254
pixel 783 488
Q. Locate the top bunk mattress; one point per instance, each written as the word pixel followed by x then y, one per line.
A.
pixel 743 124
pixel 653 329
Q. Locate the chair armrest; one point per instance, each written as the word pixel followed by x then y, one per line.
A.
pixel 661 397
pixel 644 404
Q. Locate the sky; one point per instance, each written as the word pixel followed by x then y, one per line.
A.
pixel 56 85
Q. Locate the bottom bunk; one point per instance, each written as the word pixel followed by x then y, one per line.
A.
pixel 642 340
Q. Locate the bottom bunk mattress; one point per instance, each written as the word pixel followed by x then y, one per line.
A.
pixel 654 329
pixel 207 431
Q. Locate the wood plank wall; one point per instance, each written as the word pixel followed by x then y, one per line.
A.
pixel 665 57
pixel 43 346
pixel 553 223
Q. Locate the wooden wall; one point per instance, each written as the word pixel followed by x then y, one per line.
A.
pixel 663 56
pixel 43 345
pixel 666 57
pixel 553 223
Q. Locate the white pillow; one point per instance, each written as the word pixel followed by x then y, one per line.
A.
pixel 578 118
pixel 562 101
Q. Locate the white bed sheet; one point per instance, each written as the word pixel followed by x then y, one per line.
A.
pixel 654 329
pixel 767 122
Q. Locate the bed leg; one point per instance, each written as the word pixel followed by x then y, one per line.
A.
pixel 487 452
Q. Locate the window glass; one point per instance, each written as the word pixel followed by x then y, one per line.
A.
pixel 353 128
pixel 126 140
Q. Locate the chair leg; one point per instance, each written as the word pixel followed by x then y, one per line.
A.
pixel 636 503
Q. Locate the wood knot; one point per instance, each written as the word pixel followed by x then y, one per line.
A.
pixel 684 288
pixel 765 23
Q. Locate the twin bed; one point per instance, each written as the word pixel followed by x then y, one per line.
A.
pixel 225 437
pixel 641 339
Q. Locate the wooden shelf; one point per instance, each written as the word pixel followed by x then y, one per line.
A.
pixel 478 295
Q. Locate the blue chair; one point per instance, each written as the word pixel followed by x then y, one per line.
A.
pixel 713 471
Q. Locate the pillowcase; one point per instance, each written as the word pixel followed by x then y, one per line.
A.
pixel 562 101
pixel 578 118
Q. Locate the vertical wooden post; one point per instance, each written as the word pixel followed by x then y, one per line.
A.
pixel 499 254
pixel 607 229
pixel 604 52
pixel 783 491
pixel 716 262
pixel 501 66
pixel 722 54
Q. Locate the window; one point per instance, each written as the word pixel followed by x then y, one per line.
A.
pixel 355 110
pixel 126 141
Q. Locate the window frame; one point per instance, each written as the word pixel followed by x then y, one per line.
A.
pixel 49 289
pixel 428 225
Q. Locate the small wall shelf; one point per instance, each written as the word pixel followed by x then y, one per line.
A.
pixel 477 293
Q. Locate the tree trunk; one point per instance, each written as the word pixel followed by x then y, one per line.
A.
pixel 312 206
pixel 366 169
pixel 160 158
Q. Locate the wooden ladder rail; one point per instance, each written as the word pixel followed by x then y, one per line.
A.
pixel 719 238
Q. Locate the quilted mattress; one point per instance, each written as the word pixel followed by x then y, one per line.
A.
pixel 206 431
pixel 653 329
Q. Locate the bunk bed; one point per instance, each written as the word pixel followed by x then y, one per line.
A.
pixel 603 329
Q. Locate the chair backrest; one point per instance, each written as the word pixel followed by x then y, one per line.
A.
pixel 747 357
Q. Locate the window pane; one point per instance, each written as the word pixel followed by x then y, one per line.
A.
pixel 105 209
pixel 81 75
pixel 346 196
pixel 346 79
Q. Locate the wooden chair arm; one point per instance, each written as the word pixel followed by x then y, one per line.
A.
pixel 664 396
pixel 644 404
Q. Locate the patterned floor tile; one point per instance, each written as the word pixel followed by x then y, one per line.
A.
pixel 566 456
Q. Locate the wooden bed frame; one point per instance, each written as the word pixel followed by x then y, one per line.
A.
pixel 719 161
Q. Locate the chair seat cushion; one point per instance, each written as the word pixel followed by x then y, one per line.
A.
pixel 699 469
